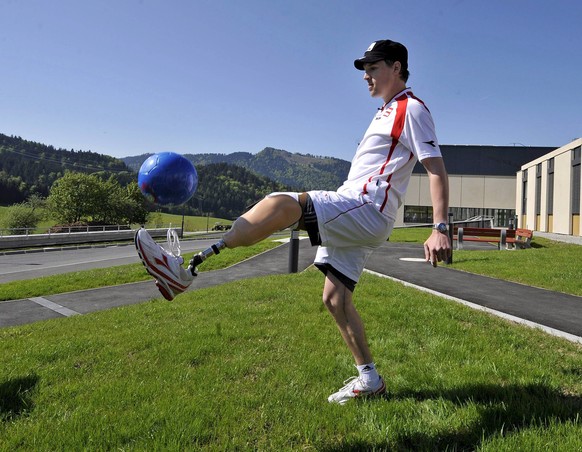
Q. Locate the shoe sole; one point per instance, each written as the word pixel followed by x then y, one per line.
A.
pixel 165 291
pixel 164 288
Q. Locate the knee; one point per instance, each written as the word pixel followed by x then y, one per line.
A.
pixel 327 302
pixel 290 194
pixel 333 303
pixel 283 204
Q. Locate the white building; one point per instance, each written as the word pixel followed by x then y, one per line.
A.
pixel 549 189
pixel 482 182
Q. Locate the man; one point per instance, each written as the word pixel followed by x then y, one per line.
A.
pixel 350 223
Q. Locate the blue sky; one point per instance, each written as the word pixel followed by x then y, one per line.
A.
pixel 126 77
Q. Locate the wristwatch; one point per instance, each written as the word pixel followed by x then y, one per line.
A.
pixel 441 227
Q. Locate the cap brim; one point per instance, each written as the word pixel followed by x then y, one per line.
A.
pixel 359 63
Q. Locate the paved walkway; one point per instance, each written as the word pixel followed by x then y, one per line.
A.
pixel 574 239
pixel 557 313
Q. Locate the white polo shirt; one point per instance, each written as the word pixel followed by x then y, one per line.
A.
pixel 401 133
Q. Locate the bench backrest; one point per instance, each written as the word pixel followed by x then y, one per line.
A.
pixel 479 232
pixel 492 232
pixel 527 233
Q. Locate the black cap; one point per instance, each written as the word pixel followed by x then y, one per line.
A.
pixel 384 50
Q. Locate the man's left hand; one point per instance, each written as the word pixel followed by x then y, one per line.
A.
pixel 437 248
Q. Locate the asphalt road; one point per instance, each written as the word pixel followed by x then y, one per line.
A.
pixel 14 267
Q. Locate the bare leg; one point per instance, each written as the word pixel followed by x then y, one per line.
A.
pixel 270 215
pixel 338 300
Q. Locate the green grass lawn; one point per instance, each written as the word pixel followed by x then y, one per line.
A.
pixel 548 264
pixel 249 365
pixel 191 223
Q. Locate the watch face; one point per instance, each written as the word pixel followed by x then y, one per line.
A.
pixel 441 227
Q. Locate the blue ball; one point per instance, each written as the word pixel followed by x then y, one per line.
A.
pixel 167 178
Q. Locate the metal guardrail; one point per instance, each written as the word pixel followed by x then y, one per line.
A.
pixel 20 241
pixel 62 230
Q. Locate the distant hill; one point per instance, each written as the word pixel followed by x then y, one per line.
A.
pixel 227 184
pixel 225 190
pixel 27 167
pixel 299 171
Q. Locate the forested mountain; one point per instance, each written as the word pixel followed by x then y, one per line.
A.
pixel 225 188
pixel 27 167
pixel 302 172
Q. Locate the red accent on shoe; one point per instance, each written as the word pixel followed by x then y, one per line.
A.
pixel 159 274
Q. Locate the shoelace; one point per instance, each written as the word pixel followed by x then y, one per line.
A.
pixel 172 243
pixel 350 382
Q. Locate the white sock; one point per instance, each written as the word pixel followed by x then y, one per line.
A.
pixel 368 373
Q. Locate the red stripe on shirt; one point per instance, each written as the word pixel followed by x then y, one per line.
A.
pixel 419 100
pixel 397 129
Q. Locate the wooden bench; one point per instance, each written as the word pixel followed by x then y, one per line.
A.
pixel 519 238
pixel 515 237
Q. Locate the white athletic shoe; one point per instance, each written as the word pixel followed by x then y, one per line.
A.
pixel 355 388
pixel 164 264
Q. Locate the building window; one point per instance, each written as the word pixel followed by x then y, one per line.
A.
pixel 538 206
pixel 524 192
pixel 478 217
pixel 417 214
pixel 550 191
pixel 576 181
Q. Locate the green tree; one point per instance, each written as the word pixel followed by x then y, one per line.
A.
pixel 25 215
pixel 135 209
pixel 76 197
pixel 111 203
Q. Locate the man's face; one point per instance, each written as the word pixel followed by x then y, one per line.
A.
pixel 383 81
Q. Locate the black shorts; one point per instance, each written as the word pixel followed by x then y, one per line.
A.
pixel 324 268
pixel 310 222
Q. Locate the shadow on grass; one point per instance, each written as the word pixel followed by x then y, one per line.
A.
pixel 16 397
pixel 501 409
